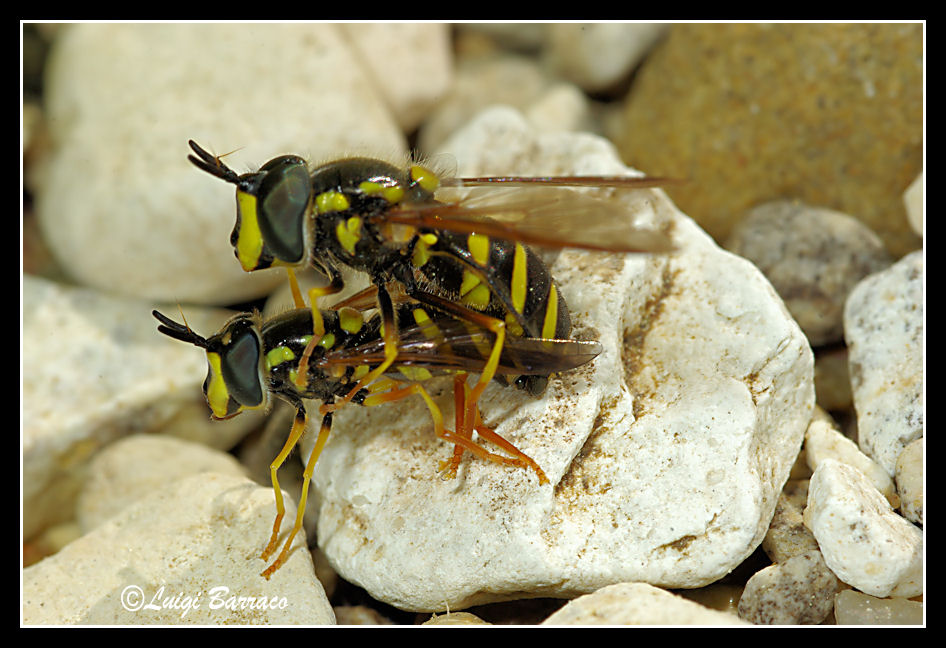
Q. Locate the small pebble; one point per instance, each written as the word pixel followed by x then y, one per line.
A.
pixel 813 256
pixel 909 478
pixel 359 615
pixel 855 608
pixel 637 604
pixel 455 618
pixel 824 440
pixel 787 535
pixel 799 590
pixel 913 201
pixel 864 542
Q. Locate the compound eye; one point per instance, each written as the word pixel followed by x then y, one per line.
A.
pixel 283 201
pixel 239 367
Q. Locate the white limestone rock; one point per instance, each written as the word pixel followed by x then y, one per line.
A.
pixel 141 464
pixel 597 56
pixel 910 481
pixel 883 327
pixel 420 53
pixel 666 455
pixel 913 201
pixel 185 554
pixel 119 204
pixel 864 542
pixel 96 370
pixel 854 608
pixel 823 440
pixel 637 604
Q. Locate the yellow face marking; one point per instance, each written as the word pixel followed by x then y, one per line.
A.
pixel 279 355
pixel 478 244
pixel 218 396
pixel 349 233
pixel 331 201
pixel 327 341
pixel 519 278
pixel 249 244
pixel 424 177
pixel 350 320
pixel 551 314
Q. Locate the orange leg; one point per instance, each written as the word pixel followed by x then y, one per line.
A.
pixel 497 326
pixel 462 440
pixel 460 394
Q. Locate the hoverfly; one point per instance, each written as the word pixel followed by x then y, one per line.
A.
pixel 251 361
pixel 466 258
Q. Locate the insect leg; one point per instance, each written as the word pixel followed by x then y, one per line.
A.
pixel 497 326
pixel 324 431
pixel 519 460
pixel 336 284
pixel 298 427
pixel 461 392
pixel 389 334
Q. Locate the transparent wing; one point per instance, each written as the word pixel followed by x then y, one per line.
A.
pixel 546 212
pixel 448 343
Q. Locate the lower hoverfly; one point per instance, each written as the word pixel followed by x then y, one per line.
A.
pixel 250 361
pixel 468 257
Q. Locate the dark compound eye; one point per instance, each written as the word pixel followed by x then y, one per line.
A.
pixel 239 364
pixel 283 198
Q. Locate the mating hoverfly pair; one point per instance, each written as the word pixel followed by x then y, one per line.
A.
pixel 454 283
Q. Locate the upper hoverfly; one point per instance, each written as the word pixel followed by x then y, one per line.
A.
pixel 468 258
pixel 250 361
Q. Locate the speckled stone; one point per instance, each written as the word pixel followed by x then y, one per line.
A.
pixel 813 256
pixel 830 114
pixel 787 535
pixel 883 326
pixel 797 591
